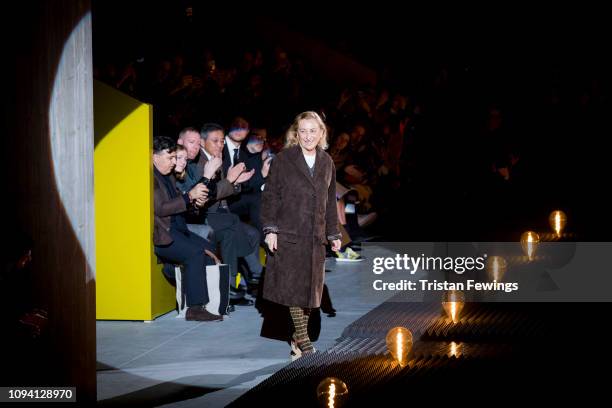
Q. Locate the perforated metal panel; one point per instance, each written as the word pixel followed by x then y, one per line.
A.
pixel 494 348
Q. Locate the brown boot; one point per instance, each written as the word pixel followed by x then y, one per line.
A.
pixel 199 313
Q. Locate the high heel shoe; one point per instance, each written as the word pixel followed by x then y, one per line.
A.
pixel 295 351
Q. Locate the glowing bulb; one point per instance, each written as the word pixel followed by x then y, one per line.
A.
pixel 399 344
pixel 557 220
pixel 455 349
pixel 332 392
pixel 496 268
pixel 529 242
pixel 453 303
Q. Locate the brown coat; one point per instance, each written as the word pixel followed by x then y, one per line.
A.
pixel 164 208
pixel 302 209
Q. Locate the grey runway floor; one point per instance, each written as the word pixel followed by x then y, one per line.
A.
pixel 172 362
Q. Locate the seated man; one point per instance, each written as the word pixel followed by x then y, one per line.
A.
pixel 171 238
pixel 247 204
pixel 229 230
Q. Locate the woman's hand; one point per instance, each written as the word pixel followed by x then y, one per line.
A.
pixel 271 242
pixel 336 244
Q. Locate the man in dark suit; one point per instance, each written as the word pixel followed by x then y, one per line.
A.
pixel 227 225
pixel 248 202
pixel 173 241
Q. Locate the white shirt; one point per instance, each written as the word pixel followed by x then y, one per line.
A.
pixel 208 156
pixel 310 159
pixel 231 146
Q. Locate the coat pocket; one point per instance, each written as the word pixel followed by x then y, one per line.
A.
pixel 288 237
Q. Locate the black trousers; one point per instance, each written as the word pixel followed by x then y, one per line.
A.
pixel 233 237
pixel 188 250
pixel 249 205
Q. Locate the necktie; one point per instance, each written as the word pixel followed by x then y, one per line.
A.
pixel 235 159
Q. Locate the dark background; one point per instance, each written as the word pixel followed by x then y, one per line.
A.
pixel 547 71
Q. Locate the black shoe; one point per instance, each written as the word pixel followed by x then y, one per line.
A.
pixel 237 294
pixel 330 311
pixel 199 313
pixel 230 309
pixel 253 281
pixel 253 287
pixel 242 302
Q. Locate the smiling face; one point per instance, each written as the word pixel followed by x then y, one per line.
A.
pixel 214 143
pixel 181 160
pixel 191 142
pixel 309 134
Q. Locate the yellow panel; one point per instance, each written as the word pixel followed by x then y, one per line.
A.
pixel 129 283
pixel 164 295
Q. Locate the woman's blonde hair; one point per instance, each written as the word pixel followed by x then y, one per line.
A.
pixel 292 137
pixel 181 176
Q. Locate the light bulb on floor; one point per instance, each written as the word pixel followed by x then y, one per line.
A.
pixel 557 220
pixel 496 268
pixel 529 242
pixel 453 302
pixel 332 392
pixel 399 344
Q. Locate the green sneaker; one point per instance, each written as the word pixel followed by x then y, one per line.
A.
pixel 348 255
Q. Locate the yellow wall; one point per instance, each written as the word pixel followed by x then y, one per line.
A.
pixel 129 282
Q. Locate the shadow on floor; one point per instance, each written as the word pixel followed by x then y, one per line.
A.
pixel 173 391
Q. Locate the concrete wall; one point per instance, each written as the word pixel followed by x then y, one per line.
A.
pixel 48 155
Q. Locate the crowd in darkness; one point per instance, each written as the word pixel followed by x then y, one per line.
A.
pixel 468 149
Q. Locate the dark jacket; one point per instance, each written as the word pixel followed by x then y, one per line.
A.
pixel 225 189
pixel 251 161
pixel 302 209
pixel 164 207
pixel 195 171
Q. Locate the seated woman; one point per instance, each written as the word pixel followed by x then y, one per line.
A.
pixel 181 164
pixel 180 173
